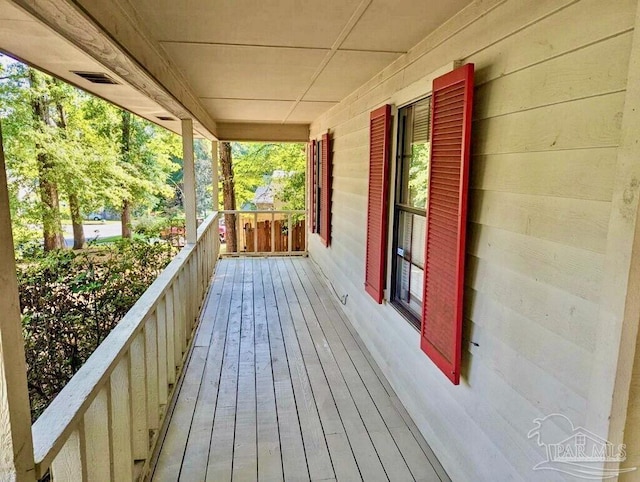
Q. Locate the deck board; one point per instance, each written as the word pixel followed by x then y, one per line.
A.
pixel 278 386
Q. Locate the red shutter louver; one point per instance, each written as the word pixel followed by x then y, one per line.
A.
pixel 441 333
pixel 325 197
pixel 378 201
pixel 312 186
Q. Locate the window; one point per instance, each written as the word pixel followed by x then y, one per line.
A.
pixel 317 175
pixel 412 171
pixel 429 214
pixel 311 169
pixel 321 188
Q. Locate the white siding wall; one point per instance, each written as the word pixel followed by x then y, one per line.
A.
pixel 551 78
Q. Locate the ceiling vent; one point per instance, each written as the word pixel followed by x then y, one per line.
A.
pixel 164 118
pixel 96 77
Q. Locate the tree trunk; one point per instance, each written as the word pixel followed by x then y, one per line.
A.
pixel 228 196
pixel 51 222
pixel 125 216
pixel 79 241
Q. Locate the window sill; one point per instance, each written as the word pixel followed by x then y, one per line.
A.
pixel 406 314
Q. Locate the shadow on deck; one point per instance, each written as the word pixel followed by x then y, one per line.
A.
pixel 279 387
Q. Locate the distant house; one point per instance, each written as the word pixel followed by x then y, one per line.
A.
pixel 266 196
pixel 263 198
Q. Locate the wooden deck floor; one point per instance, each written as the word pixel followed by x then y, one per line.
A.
pixel 279 387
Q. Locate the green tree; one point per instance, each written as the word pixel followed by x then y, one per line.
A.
pixel 87 159
pixel 62 144
pixel 147 155
pixel 254 163
pixel 45 143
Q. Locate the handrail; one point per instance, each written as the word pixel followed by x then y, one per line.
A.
pixel 213 217
pixel 185 278
pixel 262 211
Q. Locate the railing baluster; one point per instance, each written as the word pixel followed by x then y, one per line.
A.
pixel 184 312
pixel 151 363
pixel 290 243
pixel 185 278
pixel 200 251
pixel 97 427
pixel 204 250
pixel 70 464
pixel 193 292
pixel 177 321
pixel 289 234
pixel 171 337
pixel 161 318
pixel 273 232
pixel 140 428
pixel 238 231
pixel 255 233
pixel 121 422
pixel 191 289
pixel 110 429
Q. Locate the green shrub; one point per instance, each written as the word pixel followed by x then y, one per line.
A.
pixel 71 301
pixel 149 226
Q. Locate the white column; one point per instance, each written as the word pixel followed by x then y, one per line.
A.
pixel 16 447
pixel 215 166
pixel 189 181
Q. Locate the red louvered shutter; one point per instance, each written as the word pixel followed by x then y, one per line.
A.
pixel 325 196
pixel 312 186
pixel 378 202
pixel 451 104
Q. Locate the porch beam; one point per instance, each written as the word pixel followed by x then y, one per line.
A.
pixel 16 447
pixel 252 131
pixel 215 164
pixel 189 181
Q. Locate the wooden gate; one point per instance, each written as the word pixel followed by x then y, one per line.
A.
pixel 280 238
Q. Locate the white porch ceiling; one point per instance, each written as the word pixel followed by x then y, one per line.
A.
pixel 286 61
pixel 244 61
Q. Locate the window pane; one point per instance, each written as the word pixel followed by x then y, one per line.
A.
pixel 418 169
pixel 418 176
pixel 412 175
pixel 409 261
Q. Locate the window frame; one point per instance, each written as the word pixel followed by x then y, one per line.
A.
pixel 317 200
pixel 399 143
pixel 322 190
pixel 410 94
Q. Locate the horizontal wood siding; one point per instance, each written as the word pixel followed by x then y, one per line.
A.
pixel 551 77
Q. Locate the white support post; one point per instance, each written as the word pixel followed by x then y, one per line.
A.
pixel 16 449
pixel 215 167
pixel 189 181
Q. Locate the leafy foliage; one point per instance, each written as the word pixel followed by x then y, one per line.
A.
pixel 71 301
pixel 81 136
pixel 418 175
pixel 254 163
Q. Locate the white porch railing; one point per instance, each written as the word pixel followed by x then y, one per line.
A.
pixel 263 233
pixel 104 424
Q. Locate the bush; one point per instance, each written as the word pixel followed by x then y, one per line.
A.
pixel 149 226
pixel 71 301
